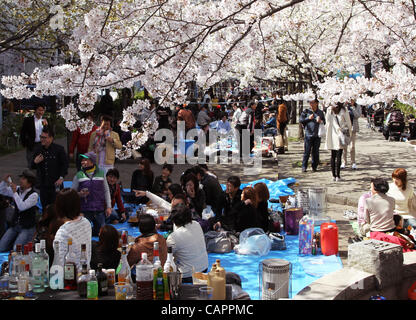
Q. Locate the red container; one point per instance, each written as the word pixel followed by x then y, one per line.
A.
pixel 329 238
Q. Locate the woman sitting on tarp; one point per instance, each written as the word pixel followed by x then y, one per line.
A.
pixel 247 216
pixel 188 243
pixel 379 213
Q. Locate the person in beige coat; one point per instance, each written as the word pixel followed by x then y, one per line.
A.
pixel 379 208
pixel 337 121
pixel 104 141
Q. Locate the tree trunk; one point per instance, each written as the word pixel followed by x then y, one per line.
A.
pixel 368 70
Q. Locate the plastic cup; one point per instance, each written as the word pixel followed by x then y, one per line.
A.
pixel 205 293
pixel 121 290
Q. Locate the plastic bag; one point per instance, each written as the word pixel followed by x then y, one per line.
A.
pixel 207 213
pixel 253 241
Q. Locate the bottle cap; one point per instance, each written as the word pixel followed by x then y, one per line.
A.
pixel 144 256
pixel 37 247
pixel 156 245
pixel 42 243
pixel 18 247
pixel 83 246
pixel 169 249
pixel 26 249
pixel 70 241
pixel 92 272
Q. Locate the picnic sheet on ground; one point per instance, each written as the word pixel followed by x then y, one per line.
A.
pixel 305 269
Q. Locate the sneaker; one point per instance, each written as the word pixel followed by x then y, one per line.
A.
pixel 303 169
pixel 354 166
pixel 334 179
pixel 314 170
pixel 337 179
pixel 342 165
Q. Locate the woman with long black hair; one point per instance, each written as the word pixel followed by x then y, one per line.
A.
pixel 338 128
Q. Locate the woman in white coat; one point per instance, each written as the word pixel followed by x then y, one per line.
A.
pixel 337 122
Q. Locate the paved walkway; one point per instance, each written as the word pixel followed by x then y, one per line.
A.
pixel 376 157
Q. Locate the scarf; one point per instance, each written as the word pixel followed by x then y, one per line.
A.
pixel 99 140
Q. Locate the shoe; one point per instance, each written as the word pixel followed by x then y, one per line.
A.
pixel 337 179
pixel 303 169
pixel 334 179
pixel 342 165
pixel 354 166
pixel 314 170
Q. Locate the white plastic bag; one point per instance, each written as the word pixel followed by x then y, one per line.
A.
pixel 207 213
pixel 253 241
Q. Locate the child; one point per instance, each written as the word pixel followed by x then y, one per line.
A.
pixel 115 192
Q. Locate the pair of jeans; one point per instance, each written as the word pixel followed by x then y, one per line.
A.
pixel 336 156
pixel 114 216
pixel 97 219
pixel 312 145
pixel 16 235
pixel 47 196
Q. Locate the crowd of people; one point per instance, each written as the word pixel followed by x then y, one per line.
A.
pixel 87 208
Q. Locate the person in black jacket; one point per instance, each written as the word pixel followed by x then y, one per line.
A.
pixel 51 162
pixel 214 195
pixel 25 199
pixel 142 179
pixel 228 216
pixel 247 216
pixel 159 186
pixel 263 196
pixel 196 196
pixel 311 119
pixel 31 131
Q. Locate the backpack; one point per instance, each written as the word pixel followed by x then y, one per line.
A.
pixel 396 116
pixel 220 241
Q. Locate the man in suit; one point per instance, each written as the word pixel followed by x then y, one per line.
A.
pixel 104 142
pixel 31 131
pixel 51 162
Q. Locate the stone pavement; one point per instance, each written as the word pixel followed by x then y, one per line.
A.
pixel 376 157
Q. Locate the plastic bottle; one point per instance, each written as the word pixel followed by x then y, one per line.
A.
pixel 218 286
pixel 158 287
pixel 92 286
pixel 144 279
pixel 306 228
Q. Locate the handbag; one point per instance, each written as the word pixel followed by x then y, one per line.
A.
pixel 344 136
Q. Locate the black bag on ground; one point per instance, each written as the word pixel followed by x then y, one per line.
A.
pixel 220 241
